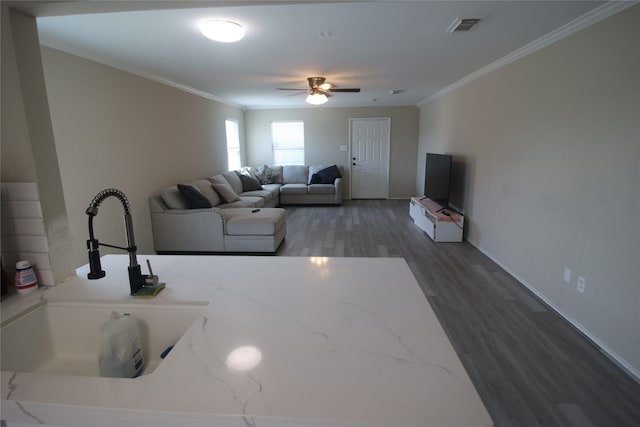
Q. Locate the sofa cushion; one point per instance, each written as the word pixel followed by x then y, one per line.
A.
pixel 245 202
pixel 293 189
pixel 266 195
pixel 226 192
pixel 326 175
pixel 250 184
pixel 193 198
pixel 295 174
pixel 243 222
pixel 322 189
pixel 173 199
pixel 233 178
pixel 204 186
pixel 274 189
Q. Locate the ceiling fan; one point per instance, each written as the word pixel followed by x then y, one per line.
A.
pixel 319 90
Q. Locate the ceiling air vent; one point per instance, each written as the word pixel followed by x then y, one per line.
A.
pixel 462 24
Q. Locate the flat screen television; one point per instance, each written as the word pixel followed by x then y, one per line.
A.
pixel 437 178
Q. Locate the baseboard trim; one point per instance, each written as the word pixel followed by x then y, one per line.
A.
pixel 608 352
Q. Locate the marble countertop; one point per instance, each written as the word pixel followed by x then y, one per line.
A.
pixel 344 342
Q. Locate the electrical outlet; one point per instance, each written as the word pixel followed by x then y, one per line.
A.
pixel 567 275
pixel 581 283
pixel 344 148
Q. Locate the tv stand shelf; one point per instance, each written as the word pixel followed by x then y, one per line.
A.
pixel 430 217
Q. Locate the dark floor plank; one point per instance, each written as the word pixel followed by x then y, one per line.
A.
pixel 530 367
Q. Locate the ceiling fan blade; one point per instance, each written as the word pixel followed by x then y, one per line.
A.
pixel 302 92
pixel 288 88
pixel 353 90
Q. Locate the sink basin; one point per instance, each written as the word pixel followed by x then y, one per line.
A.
pixel 63 337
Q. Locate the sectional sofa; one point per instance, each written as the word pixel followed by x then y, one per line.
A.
pixel 237 211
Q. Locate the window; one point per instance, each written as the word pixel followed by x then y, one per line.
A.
pixel 288 143
pixel 233 144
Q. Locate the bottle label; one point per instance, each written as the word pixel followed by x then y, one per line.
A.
pixel 26 279
pixel 137 361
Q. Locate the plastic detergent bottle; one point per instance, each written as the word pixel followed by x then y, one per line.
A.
pixel 121 353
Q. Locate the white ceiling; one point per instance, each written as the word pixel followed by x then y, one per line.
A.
pixel 376 46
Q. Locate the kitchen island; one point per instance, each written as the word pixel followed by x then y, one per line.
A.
pixel 334 341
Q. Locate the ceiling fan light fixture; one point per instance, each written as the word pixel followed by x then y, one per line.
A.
pixel 222 31
pixel 316 98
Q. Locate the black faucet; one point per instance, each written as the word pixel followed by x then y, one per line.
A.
pixel 136 279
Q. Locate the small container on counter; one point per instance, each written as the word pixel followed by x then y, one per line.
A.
pixel 26 281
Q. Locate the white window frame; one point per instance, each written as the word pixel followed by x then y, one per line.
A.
pixel 287 142
pixel 232 129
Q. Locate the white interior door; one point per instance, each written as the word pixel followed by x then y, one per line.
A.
pixel 370 139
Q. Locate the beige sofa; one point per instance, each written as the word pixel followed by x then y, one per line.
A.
pixel 233 211
pixel 284 185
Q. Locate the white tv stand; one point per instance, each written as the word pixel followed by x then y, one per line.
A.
pixel 430 217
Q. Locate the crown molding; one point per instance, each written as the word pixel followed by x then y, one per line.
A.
pixel 584 21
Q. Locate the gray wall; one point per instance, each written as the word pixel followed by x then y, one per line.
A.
pixel 28 149
pixel 548 155
pixel 326 129
pixel 114 129
pixel 17 159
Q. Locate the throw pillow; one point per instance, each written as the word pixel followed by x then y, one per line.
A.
pixel 315 179
pixel 226 192
pixel 205 188
pixel 249 183
pixel 193 198
pixel 172 197
pixel 276 174
pixel 249 171
pixel 328 175
pixel 264 174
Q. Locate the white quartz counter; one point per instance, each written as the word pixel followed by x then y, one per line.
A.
pixel 344 342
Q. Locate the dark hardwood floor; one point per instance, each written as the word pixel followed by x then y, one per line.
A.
pixel 530 367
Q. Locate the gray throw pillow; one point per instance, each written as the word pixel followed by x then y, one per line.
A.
pixel 264 174
pixel 249 183
pixel 226 192
pixel 172 197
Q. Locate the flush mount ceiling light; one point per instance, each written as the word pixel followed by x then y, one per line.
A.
pixel 316 97
pixel 222 31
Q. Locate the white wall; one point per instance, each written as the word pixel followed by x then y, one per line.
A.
pixel 326 129
pixel 549 151
pixel 114 129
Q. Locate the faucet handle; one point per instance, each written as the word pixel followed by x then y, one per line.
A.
pixel 151 279
pixel 95 268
